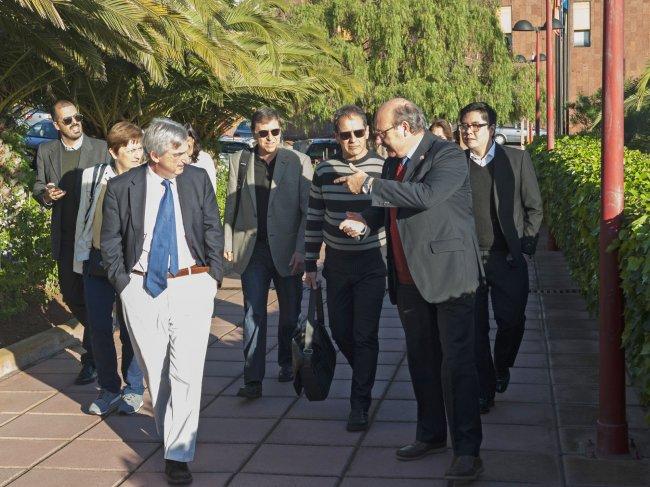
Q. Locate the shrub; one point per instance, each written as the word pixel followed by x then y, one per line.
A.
pixel 569 179
pixel 27 270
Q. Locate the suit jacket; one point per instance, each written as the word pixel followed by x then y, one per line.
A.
pixel 122 235
pixel 434 220
pixel 48 170
pixel 517 199
pixel 287 211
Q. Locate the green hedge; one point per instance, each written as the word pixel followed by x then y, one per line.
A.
pixel 569 178
pixel 27 271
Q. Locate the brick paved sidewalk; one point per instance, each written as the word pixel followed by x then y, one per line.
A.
pixel 538 433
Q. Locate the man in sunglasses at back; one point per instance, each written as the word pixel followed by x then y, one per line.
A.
pixel 264 226
pixel 354 269
pixel 59 165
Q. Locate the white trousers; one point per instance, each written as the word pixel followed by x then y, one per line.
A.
pixel 170 337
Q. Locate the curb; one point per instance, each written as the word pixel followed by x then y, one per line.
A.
pixel 19 355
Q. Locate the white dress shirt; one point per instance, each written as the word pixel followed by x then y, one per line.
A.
pixel 483 161
pixel 155 192
pixel 75 146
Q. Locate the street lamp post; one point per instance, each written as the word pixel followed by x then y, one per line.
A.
pixel 526 26
pixel 550 79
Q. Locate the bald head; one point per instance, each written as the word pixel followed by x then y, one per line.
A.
pixel 399 125
pixel 59 105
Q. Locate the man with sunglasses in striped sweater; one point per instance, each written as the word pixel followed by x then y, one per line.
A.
pixel 354 269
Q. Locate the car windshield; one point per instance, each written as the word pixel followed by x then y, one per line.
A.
pixel 323 151
pixel 44 130
pixel 231 147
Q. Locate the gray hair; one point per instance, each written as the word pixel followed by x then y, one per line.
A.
pixel 161 135
pixel 412 114
pixel 348 111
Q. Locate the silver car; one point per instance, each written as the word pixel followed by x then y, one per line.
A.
pixel 510 134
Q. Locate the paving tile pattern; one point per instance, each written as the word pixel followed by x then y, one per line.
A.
pixel 541 431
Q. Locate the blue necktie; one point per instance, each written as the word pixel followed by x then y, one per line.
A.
pixel 405 161
pixel 163 254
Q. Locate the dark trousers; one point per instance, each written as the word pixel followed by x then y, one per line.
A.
pixel 356 286
pixel 256 280
pixel 100 296
pixel 72 288
pixel 506 281
pixel 440 346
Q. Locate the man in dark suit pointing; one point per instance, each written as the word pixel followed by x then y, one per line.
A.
pixel 162 246
pixel 423 199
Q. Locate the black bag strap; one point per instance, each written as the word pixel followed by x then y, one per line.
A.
pixel 315 310
pixel 98 173
pixel 241 176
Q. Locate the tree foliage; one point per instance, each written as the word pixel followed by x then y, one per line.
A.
pixel 442 55
pixel 206 60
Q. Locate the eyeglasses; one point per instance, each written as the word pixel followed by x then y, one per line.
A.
pixel 382 133
pixel 347 135
pixel 265 133
pixel 78 117
pixel 474 126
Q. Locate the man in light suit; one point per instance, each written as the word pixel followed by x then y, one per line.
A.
pixel 265 218
pixel 59 165
pixel 162 247
pixel 508 213
pixel 423 199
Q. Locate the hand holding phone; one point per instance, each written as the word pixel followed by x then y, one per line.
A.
pixel 53 192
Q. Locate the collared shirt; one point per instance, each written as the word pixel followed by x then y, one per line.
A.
pixel 412 150
pixel 483 161
pixel 263 178
pixel 74 146
pixel 155 192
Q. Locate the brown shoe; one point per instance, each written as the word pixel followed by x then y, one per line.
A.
pixel 420 449
pixel 464 467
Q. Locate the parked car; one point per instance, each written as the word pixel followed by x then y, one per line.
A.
pixel 230 145
pixel 40 132
pixel 318 149
pixel 510 134
pixel 244 130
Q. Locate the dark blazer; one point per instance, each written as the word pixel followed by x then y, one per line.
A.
pixel 434 220
pixel 122 235
pixel 48 170
pixel 517 199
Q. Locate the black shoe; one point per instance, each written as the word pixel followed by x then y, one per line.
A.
pixel 357 420
pixel 286 374
pixel 485 405
pixel 420 449
pixel 87 375
pixel 252 390
pixel 177 473
pixel 502 382
pixel 464 467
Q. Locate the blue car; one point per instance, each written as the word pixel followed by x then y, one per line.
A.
pixel 40 132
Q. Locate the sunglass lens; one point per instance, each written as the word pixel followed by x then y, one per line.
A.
pixel 275 132
pixel 263 133
pixel 345 135
pixel 78 117
pixel 67 120
pixel 359 133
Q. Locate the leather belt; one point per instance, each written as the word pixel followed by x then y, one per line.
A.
pixel 185 271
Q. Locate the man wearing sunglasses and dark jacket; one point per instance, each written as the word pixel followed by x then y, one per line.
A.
pixel 264 227
pixel 59 165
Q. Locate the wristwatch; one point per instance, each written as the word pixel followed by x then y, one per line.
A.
pixel 367 185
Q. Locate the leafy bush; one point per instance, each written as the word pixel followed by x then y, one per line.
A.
pixel 569 178
pixel 27 270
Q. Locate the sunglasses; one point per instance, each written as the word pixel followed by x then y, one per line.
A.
pixel 348 134
pixel 68 120
pixel 265 133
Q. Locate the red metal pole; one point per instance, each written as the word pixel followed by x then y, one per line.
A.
pixel 550 78
pixel 612 426
pixel 538 110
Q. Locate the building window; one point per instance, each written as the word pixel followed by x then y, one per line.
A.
pixel 505 17
pixel 581 38
pixel 582 24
